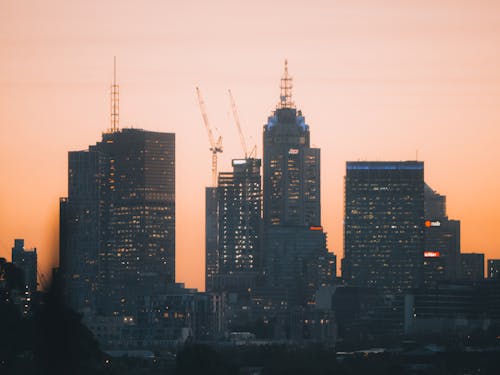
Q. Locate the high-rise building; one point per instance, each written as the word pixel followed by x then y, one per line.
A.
pixel 239 222
pixel 118 221
pixel 211 237
pixel 494 269
pixel 79 234
pixel 383 224
pixel 294 242
pixel 441 240
pixel 291 166
pixel 27 261
pixel 472 266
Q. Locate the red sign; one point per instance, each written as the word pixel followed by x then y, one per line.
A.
pixel 432 254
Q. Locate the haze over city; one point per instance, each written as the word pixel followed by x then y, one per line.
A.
pixel 383 81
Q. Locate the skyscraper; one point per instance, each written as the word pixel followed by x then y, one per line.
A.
pixel 137 252
pixel 239 222
pixel 118 222
pixel 441 240
pixel 291 166
pixel 211 237
pixel 383 224
pixel 294 242
pixel 79 230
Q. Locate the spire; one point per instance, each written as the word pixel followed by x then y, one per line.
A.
pixel 286 90
pixel 115 102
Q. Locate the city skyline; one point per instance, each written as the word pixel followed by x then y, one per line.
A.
pixel 386 108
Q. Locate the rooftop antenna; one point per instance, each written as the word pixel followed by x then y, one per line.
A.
pixel 286 89
pixel 115 102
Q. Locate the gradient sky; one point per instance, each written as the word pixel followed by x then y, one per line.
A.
pixel 376 80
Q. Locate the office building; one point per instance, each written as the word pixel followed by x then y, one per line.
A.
pixel 118 221
pixel 441 240
pixel 26 260
pixel 291 166
pixel 294 241
pixel 79 230
pixel 211 237
pixel 472 266
pixel 383 224
pixel 494 269
pixel 298 261
pixel 239 223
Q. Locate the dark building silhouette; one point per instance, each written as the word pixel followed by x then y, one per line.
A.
pixel 27 261
pixel 294 242
pixel 118 222
pixel 441 240
pixel 79 234
pixel 211 237
pixel 449 309
pixel 472 266
pixel 365 313
pixel 494 269
pixel 383 224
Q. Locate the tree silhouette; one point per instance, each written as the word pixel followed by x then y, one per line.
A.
pixel 62 344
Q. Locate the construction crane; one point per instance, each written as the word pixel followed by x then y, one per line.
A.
pixel 238 125
pixel 215 147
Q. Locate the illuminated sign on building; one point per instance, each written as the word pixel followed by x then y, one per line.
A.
pixel 315 228
pixel 432 254
pixel 430 223
pixel 293 151
pixel 239 161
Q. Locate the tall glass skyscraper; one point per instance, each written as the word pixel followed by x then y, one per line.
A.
pixel 239 216
pixel 383 224
pixel 239 225
pixel 291 166
pixel 118 221
pixel 294 241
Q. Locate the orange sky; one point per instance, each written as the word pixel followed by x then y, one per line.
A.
pixel 376 80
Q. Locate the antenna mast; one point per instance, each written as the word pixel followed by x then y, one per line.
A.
pixel 115 102
pixel 286 89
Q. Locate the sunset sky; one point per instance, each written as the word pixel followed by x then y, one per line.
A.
pixel 376 80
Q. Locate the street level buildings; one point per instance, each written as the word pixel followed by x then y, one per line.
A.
pixel 27 261
pixel 494 269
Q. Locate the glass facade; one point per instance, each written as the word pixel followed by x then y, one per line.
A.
pixel 383 224
pixel 119 218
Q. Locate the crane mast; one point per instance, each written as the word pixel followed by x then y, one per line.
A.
pixel 238 125
pixel 215 146
pixel 240 131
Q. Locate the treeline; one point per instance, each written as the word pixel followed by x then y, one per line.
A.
pixel 52 340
